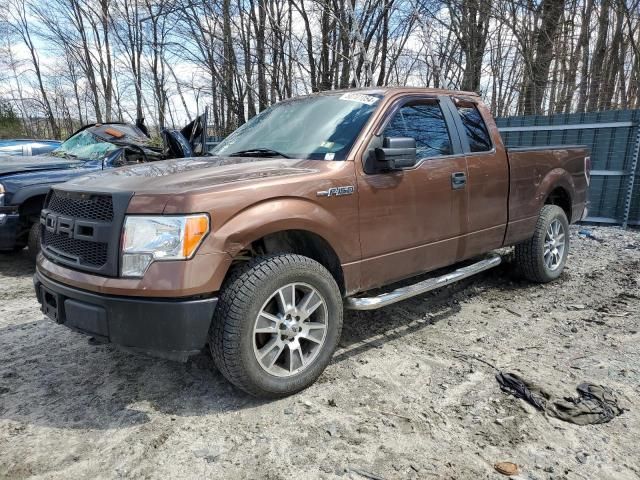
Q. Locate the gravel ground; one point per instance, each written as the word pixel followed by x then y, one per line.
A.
pixel 403 398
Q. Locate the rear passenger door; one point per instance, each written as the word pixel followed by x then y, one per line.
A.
pixel 414 220
pixel 487 179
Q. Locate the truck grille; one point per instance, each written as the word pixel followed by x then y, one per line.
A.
pixel 80 251
pixel 91 207
pixel 82 230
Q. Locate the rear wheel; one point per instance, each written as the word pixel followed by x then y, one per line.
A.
pixel 276 325
pixel 34 241
pixel 542 258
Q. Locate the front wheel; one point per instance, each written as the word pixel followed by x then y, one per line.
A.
pixel 276 326
pixel 542 258
pixel 34 241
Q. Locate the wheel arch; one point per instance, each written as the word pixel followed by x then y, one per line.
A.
pixel 292 225
pixel 27 192
pixel 31 206
pixel 561 197
pixel 306 243
pixel 555 189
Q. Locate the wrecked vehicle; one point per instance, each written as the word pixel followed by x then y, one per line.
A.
pixel 318 200
pixel 25 180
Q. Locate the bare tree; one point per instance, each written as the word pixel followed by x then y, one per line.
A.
pixel 20 24
pixel 84 60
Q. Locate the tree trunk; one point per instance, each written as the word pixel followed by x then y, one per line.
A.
pixel 599 55
pixel 536 83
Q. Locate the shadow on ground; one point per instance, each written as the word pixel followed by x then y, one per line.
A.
pixel 16 264
pixel 52 376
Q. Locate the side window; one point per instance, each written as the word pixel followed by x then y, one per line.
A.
pixel 424 122
pixel 477 133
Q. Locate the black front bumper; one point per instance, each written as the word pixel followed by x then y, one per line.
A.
pixel 171 329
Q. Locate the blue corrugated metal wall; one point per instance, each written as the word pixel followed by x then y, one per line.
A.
pixel 613 137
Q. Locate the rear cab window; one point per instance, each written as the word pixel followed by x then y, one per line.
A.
pixel 476 131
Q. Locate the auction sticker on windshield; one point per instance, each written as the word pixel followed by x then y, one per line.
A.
pixel 360 97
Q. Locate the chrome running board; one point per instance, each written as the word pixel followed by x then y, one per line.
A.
pixel 402 293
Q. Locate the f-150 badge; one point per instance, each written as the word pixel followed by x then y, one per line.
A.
pixel 337 191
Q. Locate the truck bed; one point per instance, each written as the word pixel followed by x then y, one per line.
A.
pixel 533 170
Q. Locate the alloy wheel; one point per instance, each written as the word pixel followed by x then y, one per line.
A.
pixel 554 245
pixel 290 329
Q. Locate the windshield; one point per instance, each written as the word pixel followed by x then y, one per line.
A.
pixel 84 146
pixel 323 127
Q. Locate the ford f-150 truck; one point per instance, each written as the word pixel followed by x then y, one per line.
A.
pixel 300 213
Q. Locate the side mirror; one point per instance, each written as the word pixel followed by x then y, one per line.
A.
pixel 396 153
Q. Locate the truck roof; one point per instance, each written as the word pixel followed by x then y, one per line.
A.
pixel 398 90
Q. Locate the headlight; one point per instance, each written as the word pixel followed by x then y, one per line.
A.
pixel 147 239
pixel 1 195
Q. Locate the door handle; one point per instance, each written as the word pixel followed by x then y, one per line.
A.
pixel 458 180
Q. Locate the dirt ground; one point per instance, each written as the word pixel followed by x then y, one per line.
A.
pixel 403 398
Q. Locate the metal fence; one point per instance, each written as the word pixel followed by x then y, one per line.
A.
pixel 614 140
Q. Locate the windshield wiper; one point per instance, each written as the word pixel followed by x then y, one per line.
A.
pixel 259 152
pixel 63 154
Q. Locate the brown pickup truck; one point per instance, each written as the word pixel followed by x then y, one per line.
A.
pixel 318 200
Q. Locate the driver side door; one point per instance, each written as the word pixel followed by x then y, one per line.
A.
pixel 414 220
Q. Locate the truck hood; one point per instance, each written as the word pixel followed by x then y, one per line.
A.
pixel 188 174
pixel 11 164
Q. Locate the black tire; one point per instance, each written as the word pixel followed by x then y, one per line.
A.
pixel 241 299
pixel 529 255
pixel 34 241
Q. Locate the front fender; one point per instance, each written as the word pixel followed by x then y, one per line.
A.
pixel 25 193
pixel 285 213
pixel 27 184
